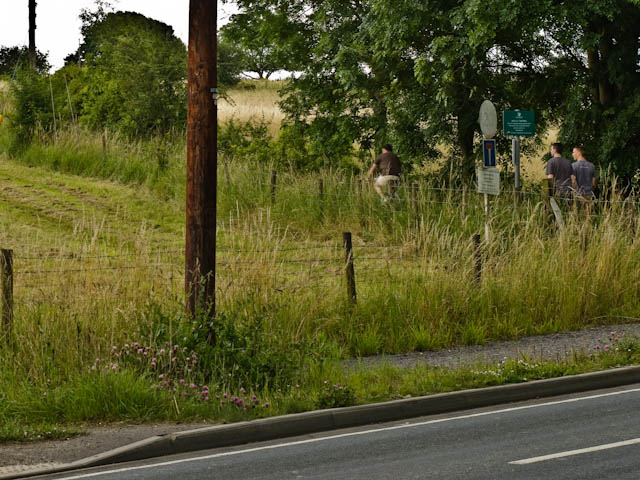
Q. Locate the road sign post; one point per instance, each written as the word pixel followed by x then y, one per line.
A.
pixel 515 158
pixel 488 176
pixel 518 123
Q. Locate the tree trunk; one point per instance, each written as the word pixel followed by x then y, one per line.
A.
pixel 593 64
pixel 606 91
pixel 466 130
pixel 603 91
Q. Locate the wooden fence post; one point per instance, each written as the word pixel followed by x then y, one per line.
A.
pixel 321 195
pixel 414 197
pixel 477 258
pixel 274 178
pixel 104 143
pixel 351 276
pixel 227 174
pixel 6 275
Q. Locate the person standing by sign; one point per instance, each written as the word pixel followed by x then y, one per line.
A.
pixel 583 177
pixel 559 172
pixel 390 167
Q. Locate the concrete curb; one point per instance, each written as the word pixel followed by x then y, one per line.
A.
pixel 325 420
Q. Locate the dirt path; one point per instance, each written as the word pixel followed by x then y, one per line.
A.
pixel 14 457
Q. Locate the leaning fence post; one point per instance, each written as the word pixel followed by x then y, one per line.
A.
pixel 274 178
pixel 6 274
pixel 351 276
pixel 477 258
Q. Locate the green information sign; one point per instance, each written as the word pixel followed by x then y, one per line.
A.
pixel 519 123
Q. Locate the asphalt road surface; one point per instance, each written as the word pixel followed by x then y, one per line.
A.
pixel 595 435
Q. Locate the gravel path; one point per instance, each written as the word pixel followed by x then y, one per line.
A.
pixel 557 346
pixel 14 457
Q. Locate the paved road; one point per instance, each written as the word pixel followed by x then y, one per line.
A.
pixel 588 436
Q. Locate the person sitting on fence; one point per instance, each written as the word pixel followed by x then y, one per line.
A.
pixel 390 167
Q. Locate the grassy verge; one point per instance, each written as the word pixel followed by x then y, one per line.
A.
pixel 34 412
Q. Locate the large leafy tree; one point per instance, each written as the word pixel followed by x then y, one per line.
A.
pixel 338 97
pixel 459 54
pixel 264 41
pixel 133 75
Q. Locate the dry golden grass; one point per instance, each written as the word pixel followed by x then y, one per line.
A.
pixel 254 99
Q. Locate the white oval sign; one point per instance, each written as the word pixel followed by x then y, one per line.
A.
pixel 488 119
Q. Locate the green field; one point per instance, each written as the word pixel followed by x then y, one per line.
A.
pixel 100 332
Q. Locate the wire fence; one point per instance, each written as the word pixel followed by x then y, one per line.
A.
pixel 295 266
pixel 293 272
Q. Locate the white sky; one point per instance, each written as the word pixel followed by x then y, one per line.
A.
pixel 58 25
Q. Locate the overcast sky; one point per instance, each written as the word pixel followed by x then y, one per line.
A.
pixel 58 26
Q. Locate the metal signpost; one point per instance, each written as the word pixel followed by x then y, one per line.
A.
pixel 488 175
pixel 518 123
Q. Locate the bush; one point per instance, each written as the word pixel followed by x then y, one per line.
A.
pixel 248 139
pixel 31 109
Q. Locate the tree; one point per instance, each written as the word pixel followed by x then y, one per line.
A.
pixel 31 107
pixel 134 75
pixel 11 57
pixel 338 98
pixel 462 53
pixel 266 44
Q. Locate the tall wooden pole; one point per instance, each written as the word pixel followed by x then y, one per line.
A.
pixel 202 115
pixel 32 33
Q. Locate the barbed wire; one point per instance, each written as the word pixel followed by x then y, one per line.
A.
pixel 82 270
pixel 72 256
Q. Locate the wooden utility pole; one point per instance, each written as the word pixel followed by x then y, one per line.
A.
pixel 202 115
pixel 32 34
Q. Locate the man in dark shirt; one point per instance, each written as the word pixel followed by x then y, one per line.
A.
pixel 584 174
pixel 559 172
pixel 390 167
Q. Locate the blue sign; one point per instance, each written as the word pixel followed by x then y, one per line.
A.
pixel 489 153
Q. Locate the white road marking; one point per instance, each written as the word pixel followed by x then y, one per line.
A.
pixel 580 451
pixel 351 434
